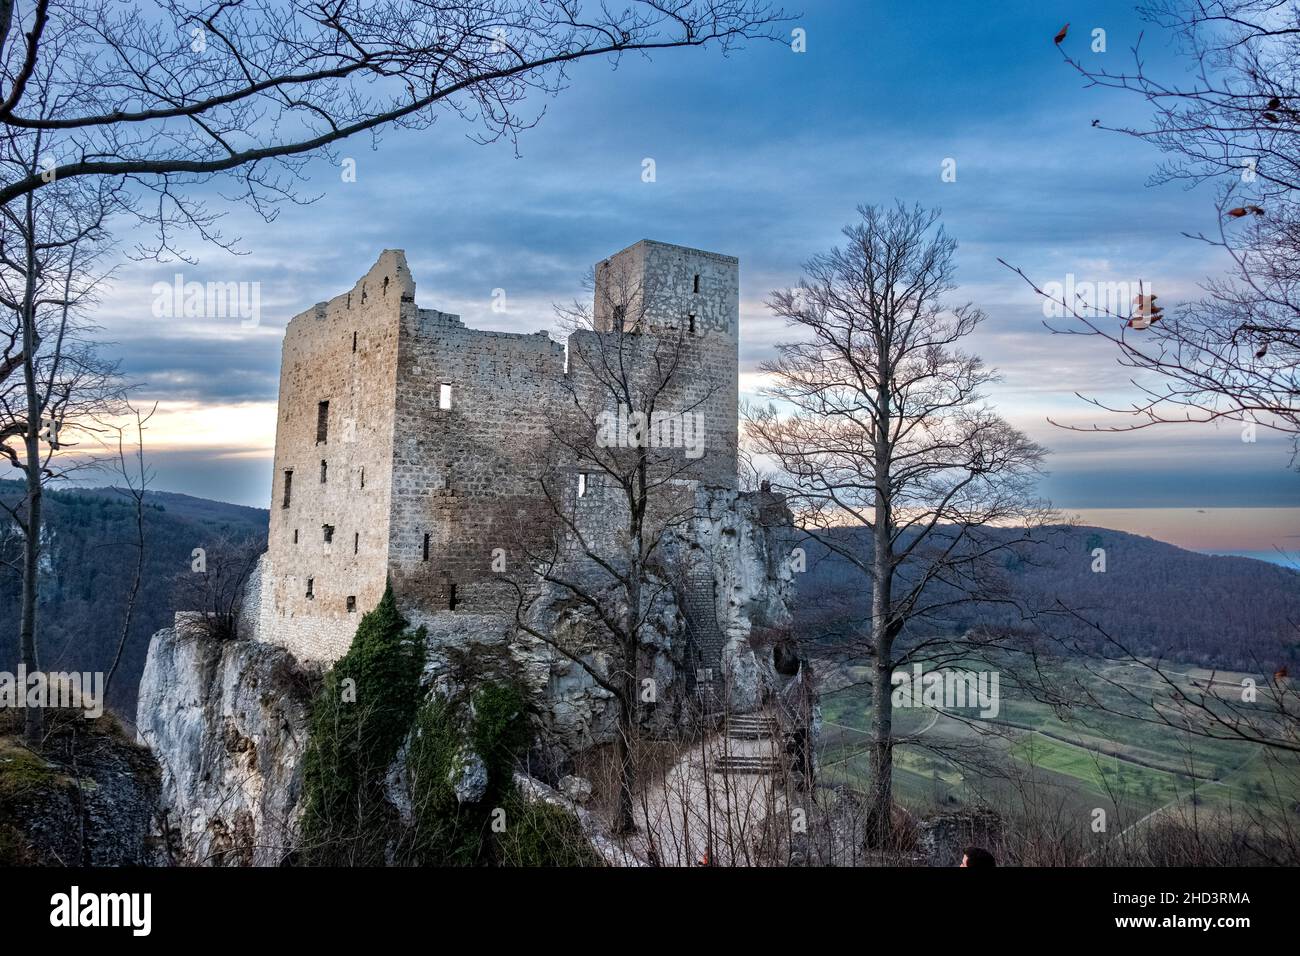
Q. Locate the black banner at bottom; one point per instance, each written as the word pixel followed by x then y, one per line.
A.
pixel 297 906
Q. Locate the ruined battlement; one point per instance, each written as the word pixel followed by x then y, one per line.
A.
pixel 408 444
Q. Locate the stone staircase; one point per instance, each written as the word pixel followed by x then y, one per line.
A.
pixel 702 616
pixel 751 727
pixel 750 743
pixel 752 746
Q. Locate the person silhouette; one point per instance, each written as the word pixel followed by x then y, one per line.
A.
pixel 977 856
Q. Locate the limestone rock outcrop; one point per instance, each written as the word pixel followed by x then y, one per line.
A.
pixel 227 722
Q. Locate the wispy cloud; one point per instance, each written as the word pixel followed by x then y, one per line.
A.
pixel 763 155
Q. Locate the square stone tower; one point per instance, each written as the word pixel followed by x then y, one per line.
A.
pixel 331 493
pixel 674 290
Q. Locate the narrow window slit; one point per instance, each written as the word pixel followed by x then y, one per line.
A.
pixel 322 422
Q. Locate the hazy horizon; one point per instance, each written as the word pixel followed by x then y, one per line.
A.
pixel 1212 531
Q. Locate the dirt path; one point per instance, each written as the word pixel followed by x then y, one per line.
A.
pixel 694 813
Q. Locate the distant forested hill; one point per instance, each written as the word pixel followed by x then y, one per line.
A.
pixel 1159 599
pixel 1215 611
pixel 86 573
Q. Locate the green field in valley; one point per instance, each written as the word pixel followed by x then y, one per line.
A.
pixel 1071 762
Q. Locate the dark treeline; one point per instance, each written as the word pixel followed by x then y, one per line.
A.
pixel 1158 599
pixel 87 565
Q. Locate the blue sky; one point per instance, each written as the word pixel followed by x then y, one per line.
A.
pixel 762 155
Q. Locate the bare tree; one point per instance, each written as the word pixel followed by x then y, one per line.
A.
pixel 212 589
pixel 1231 119
pixel 888 452
pixel 166 94
pixel 136 477
pixel 53 380
pixel 612 494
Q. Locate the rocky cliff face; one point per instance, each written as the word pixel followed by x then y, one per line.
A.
pixel 87 799
pixel 227 721
pixel 736 550
pixel 745 540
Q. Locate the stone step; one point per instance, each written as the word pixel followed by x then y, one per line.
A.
pixel 751 726
pixel 765 725
pixel 744 733
pixel 745 764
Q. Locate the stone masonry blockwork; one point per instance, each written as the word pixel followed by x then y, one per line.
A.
pixel 422 494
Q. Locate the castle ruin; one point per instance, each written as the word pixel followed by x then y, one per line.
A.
pixel 412 449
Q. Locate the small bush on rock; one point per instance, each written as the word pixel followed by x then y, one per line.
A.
pixel 467 810
pixel 359 720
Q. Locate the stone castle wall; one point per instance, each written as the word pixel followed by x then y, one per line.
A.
pixel 466 476
pixel 444 487
pixel 344 352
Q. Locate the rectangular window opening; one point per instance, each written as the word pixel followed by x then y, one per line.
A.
pixel 288 488
pixel 697 283
pixel 354 341
pixel 690 324
pixel 451 597
pixel 363 477
pixel 426 546
pixel 311 582
pixel 582 484
pixel 322 422
pixel 444 396
pixel 329 532
pixel 352 603
pixel 295 535
pixel 324 471
pixel 356 541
